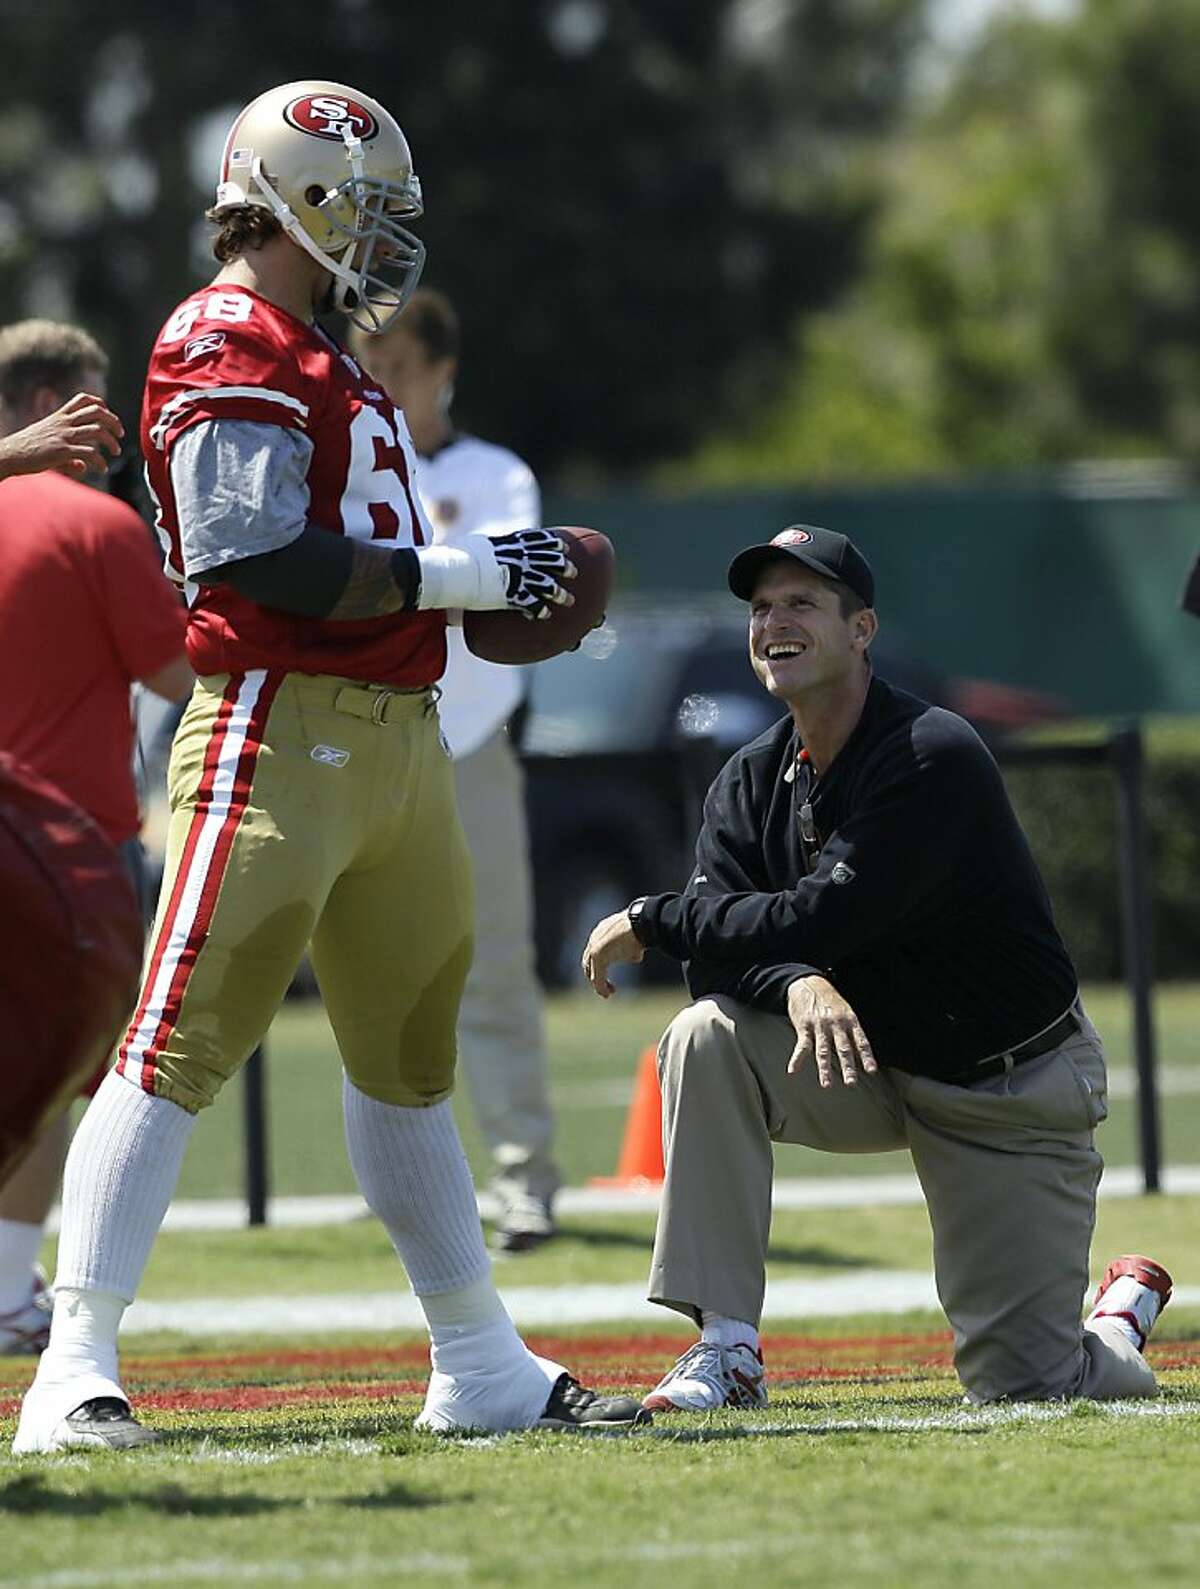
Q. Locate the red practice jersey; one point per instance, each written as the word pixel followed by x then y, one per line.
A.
pixel 84 611
pixel 226 353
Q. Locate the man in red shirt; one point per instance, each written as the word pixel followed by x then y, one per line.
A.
pixel 87 612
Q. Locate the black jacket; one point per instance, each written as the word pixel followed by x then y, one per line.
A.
pixel 923 907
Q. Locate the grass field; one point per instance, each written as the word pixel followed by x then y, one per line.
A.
pixel 593 1050
pixel 291 1458
pixel 866 1471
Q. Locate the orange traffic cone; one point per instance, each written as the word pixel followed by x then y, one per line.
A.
pixel 641 1161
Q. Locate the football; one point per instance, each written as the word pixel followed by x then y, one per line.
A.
pixel 511 637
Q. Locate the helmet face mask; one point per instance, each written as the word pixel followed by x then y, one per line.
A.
pixel 334 169
pixel 382 260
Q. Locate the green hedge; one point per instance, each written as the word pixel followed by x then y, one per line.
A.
pixel 1069 814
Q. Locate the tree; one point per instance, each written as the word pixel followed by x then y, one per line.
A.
pixel 1030 287
pixel 630 199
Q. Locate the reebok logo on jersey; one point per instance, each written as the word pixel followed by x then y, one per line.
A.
pixel 208 343
pixel 329 755
pixel 843 873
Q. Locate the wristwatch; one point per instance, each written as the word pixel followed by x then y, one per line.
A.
pixel 634 912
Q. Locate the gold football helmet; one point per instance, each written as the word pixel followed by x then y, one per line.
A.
pixel 334 169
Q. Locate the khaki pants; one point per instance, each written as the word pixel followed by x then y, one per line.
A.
pixel 306 808
pixel 501 1036
pixel 1008 1167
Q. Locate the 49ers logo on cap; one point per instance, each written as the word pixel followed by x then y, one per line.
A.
pixel 791 538
pixel 331 116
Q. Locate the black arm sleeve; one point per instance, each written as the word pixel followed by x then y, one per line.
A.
pixel 309 575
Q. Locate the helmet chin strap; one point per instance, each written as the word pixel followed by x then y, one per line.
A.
pixel 286 216
pixel 349 287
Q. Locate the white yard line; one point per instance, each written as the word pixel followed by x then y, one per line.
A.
pixel 1174 1081
pixel 833 1191
pixel 227 1569
pixel 532 1307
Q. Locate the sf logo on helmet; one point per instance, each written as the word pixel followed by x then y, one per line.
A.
pixel 323 116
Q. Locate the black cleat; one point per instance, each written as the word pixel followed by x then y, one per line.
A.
pixel 104 1421
pixel 573 1406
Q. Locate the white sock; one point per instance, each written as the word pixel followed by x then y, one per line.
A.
pixel 80 1363
pixel 453 1314
pixel 19 1246
pixel 118 1181
pixel 83 1336
pixel 722 1331
pixel 411 1168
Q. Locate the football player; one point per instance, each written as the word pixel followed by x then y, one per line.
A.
pixel 311 798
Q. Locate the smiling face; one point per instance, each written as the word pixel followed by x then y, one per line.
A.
pixel 800 641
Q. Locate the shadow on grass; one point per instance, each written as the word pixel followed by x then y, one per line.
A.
pixel 832 1430
pixel 30 1495
pixel 802 1257
pixel 398 1497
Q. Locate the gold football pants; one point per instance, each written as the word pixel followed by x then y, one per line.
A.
pixel 306 809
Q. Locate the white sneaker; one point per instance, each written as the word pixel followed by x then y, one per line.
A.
pixel 1134 1291
pixel 26 1330
pixel 710 1376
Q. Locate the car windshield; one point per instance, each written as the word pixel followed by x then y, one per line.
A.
pixel 611 694
pixel 656 673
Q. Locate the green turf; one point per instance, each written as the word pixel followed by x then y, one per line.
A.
pixel 853 1483
pixel 593 1054
pixel 864 1471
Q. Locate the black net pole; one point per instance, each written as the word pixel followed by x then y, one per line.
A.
pixel 1134 862
pixel 254 1118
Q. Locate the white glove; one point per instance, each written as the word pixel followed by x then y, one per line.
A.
pixel 485 573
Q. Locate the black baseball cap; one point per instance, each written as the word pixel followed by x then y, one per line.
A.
pixel 826 552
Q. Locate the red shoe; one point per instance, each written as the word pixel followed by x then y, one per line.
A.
pixel 1135 1290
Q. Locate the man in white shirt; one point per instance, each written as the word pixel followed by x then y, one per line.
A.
pixel 470 485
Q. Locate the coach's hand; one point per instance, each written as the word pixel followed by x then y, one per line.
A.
pixel 612 942
pixel 827 1031
pixel 78 439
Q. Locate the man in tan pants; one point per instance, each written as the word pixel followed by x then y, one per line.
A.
pixel 875 966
